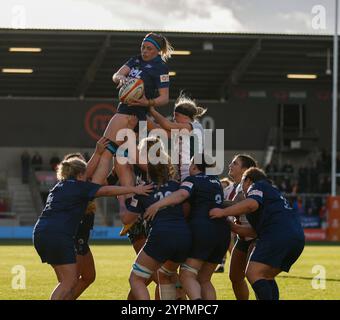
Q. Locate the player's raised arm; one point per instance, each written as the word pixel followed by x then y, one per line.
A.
pixel 92 164
pixel 117 191
pixel 120 77
pixel 166 124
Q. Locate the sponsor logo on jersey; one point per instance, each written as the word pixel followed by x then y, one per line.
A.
pixel 187 184
pixel 134 202
pixel 148 66
pixel 135 73
pixel 164 77
pixel 255 193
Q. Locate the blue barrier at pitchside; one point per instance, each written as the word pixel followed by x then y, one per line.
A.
pixel 98 233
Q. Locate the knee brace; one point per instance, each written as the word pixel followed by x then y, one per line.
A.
pixel 186 267
pixel 166 271
pixel 141 271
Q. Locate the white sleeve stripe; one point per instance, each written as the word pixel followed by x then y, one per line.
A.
pixel 187 184
pixel 256 193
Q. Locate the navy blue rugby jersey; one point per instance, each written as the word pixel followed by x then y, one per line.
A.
pixel 206 193
pixel 154 73
pixel 65 206
pixel 167 218
pixel 274 213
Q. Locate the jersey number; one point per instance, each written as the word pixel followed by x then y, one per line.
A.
pixel 160 195
pixel 286 203
pixel 218 199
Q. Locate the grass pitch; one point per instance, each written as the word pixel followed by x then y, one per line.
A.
pixel 113 264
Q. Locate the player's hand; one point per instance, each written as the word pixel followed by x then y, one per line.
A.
pixel 121 80
pixel 101 145
pixel 143 190
pixel 230 220
pixel 151 212
pixel 216 213
pixel 142 102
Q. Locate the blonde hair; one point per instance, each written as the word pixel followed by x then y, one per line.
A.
pixel 166 48
pixel 74 155
pixel 159 173
pixel 70 168
pixel 188 107
pixel 226 181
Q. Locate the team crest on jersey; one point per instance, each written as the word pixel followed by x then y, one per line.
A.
pixel 256 193
pixel 187 184
pixel 164 77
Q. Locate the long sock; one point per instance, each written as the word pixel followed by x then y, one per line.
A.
pixel 263 289
pixel 275 290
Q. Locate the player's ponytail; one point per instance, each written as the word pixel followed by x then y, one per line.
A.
pixel 188 107
pixel 162 171
pixel 70 168
pixel 199 112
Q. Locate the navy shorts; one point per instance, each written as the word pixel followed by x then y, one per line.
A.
pixel 163 246
pixel 209 242
pixel 139 112
pixel 55 249
pixel 83 234
pixel 81 247
pixel 243 245
pixel 278 252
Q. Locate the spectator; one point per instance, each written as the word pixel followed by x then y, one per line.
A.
pixel 54 161
pixel 37 161
pixel 298 205
pixel 25 166
pixel 295 187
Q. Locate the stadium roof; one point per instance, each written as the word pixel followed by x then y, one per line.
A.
pixel 81 63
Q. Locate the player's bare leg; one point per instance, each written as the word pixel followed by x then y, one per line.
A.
pixel 204 278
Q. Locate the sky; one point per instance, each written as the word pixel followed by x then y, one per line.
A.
pixel 254 16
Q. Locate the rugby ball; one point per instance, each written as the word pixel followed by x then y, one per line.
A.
pixel 133 88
